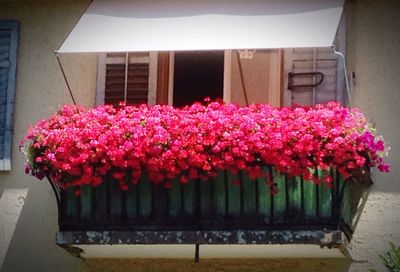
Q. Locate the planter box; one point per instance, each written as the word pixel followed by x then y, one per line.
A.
pixel 214 205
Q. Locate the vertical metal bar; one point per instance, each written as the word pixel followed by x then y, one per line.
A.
pixel 197 253
pixel 168 205
pixel 317 211
pixel 241 194
pixel 226 193
pixel 287 193
pixel 108 196
pixel 198 199
pixel 314 70
pixel 257 197
pixel 302 196
pixel 138 199
pixel 246 99
pixel 333 195
pixel 212 208
pixel 182 212
pixel 65 79
pixel 126 76
pixel 271 219
pixel 124 215
pixel 152 204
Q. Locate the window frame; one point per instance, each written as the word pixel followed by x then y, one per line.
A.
pixel 13 26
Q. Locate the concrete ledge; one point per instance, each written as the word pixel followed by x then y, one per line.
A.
pixel 328 238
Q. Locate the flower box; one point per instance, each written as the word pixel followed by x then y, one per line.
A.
pixel 205 168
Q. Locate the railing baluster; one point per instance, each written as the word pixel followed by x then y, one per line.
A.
pixel 264 198
pixel 234 199
pixel 250 196
pixel 175 200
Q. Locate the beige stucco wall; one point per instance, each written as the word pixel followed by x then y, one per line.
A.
pixel 373 53
pixel 40 90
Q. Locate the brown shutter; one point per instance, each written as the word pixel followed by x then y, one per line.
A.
pixel 127 78
pixel 309 60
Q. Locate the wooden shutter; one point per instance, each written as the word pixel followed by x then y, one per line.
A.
pixel 128 77
pixel 309 60
pixel 8 65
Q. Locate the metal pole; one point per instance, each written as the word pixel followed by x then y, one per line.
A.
pixel 246 99
pixel 65 78
pixel 197 253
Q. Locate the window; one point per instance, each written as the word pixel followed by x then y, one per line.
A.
pixel 8 65
pixel 198 74
pixel 129 77
pixel 182 77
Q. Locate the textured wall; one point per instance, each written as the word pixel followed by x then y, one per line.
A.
pixel 40 90
pixel 373 54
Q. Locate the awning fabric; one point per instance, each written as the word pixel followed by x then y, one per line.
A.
pixel 172 25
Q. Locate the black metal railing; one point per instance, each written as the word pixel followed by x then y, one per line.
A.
pixel 225 202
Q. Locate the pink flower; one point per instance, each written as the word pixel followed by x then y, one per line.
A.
pixel 80 146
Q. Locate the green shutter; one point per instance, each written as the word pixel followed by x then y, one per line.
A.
pixel 8 66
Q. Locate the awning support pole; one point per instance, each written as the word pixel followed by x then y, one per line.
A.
pixel 246 99
pixel 65 78
pixel 197 253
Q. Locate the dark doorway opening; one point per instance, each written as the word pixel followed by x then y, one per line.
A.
pixel 198 74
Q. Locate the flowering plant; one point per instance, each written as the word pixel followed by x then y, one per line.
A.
pixel 80 146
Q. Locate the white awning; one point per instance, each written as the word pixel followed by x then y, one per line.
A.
pixel 172 25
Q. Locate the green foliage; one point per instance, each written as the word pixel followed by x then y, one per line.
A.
pixel 391 259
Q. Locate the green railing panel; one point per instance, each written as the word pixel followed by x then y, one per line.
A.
pixel 225 201
pixel 131 203
pixel 310 202
pixel 206 199
pixel 264 198
pixel 233 194
pixel 189 198
pixel 72 203
pixel 279 200
pixel 100 195
pixel 325 201
pixel 294 197
pixel 219 196
pixel 159 203
pixel 175 208
pixel 249 187
pixel 86 202
pixel 144 197
pixel 115 200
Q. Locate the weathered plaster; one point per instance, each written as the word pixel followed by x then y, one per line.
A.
pixel 40 90
pixel 373 42
pixel 11 203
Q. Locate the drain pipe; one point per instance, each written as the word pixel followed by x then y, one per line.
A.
pixel 340 54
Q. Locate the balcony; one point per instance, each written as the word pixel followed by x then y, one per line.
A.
pixel 215 174
pixel 222 210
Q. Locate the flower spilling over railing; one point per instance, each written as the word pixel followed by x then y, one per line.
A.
pixel 79 146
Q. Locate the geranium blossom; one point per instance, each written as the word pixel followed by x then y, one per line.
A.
pixel 80 146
